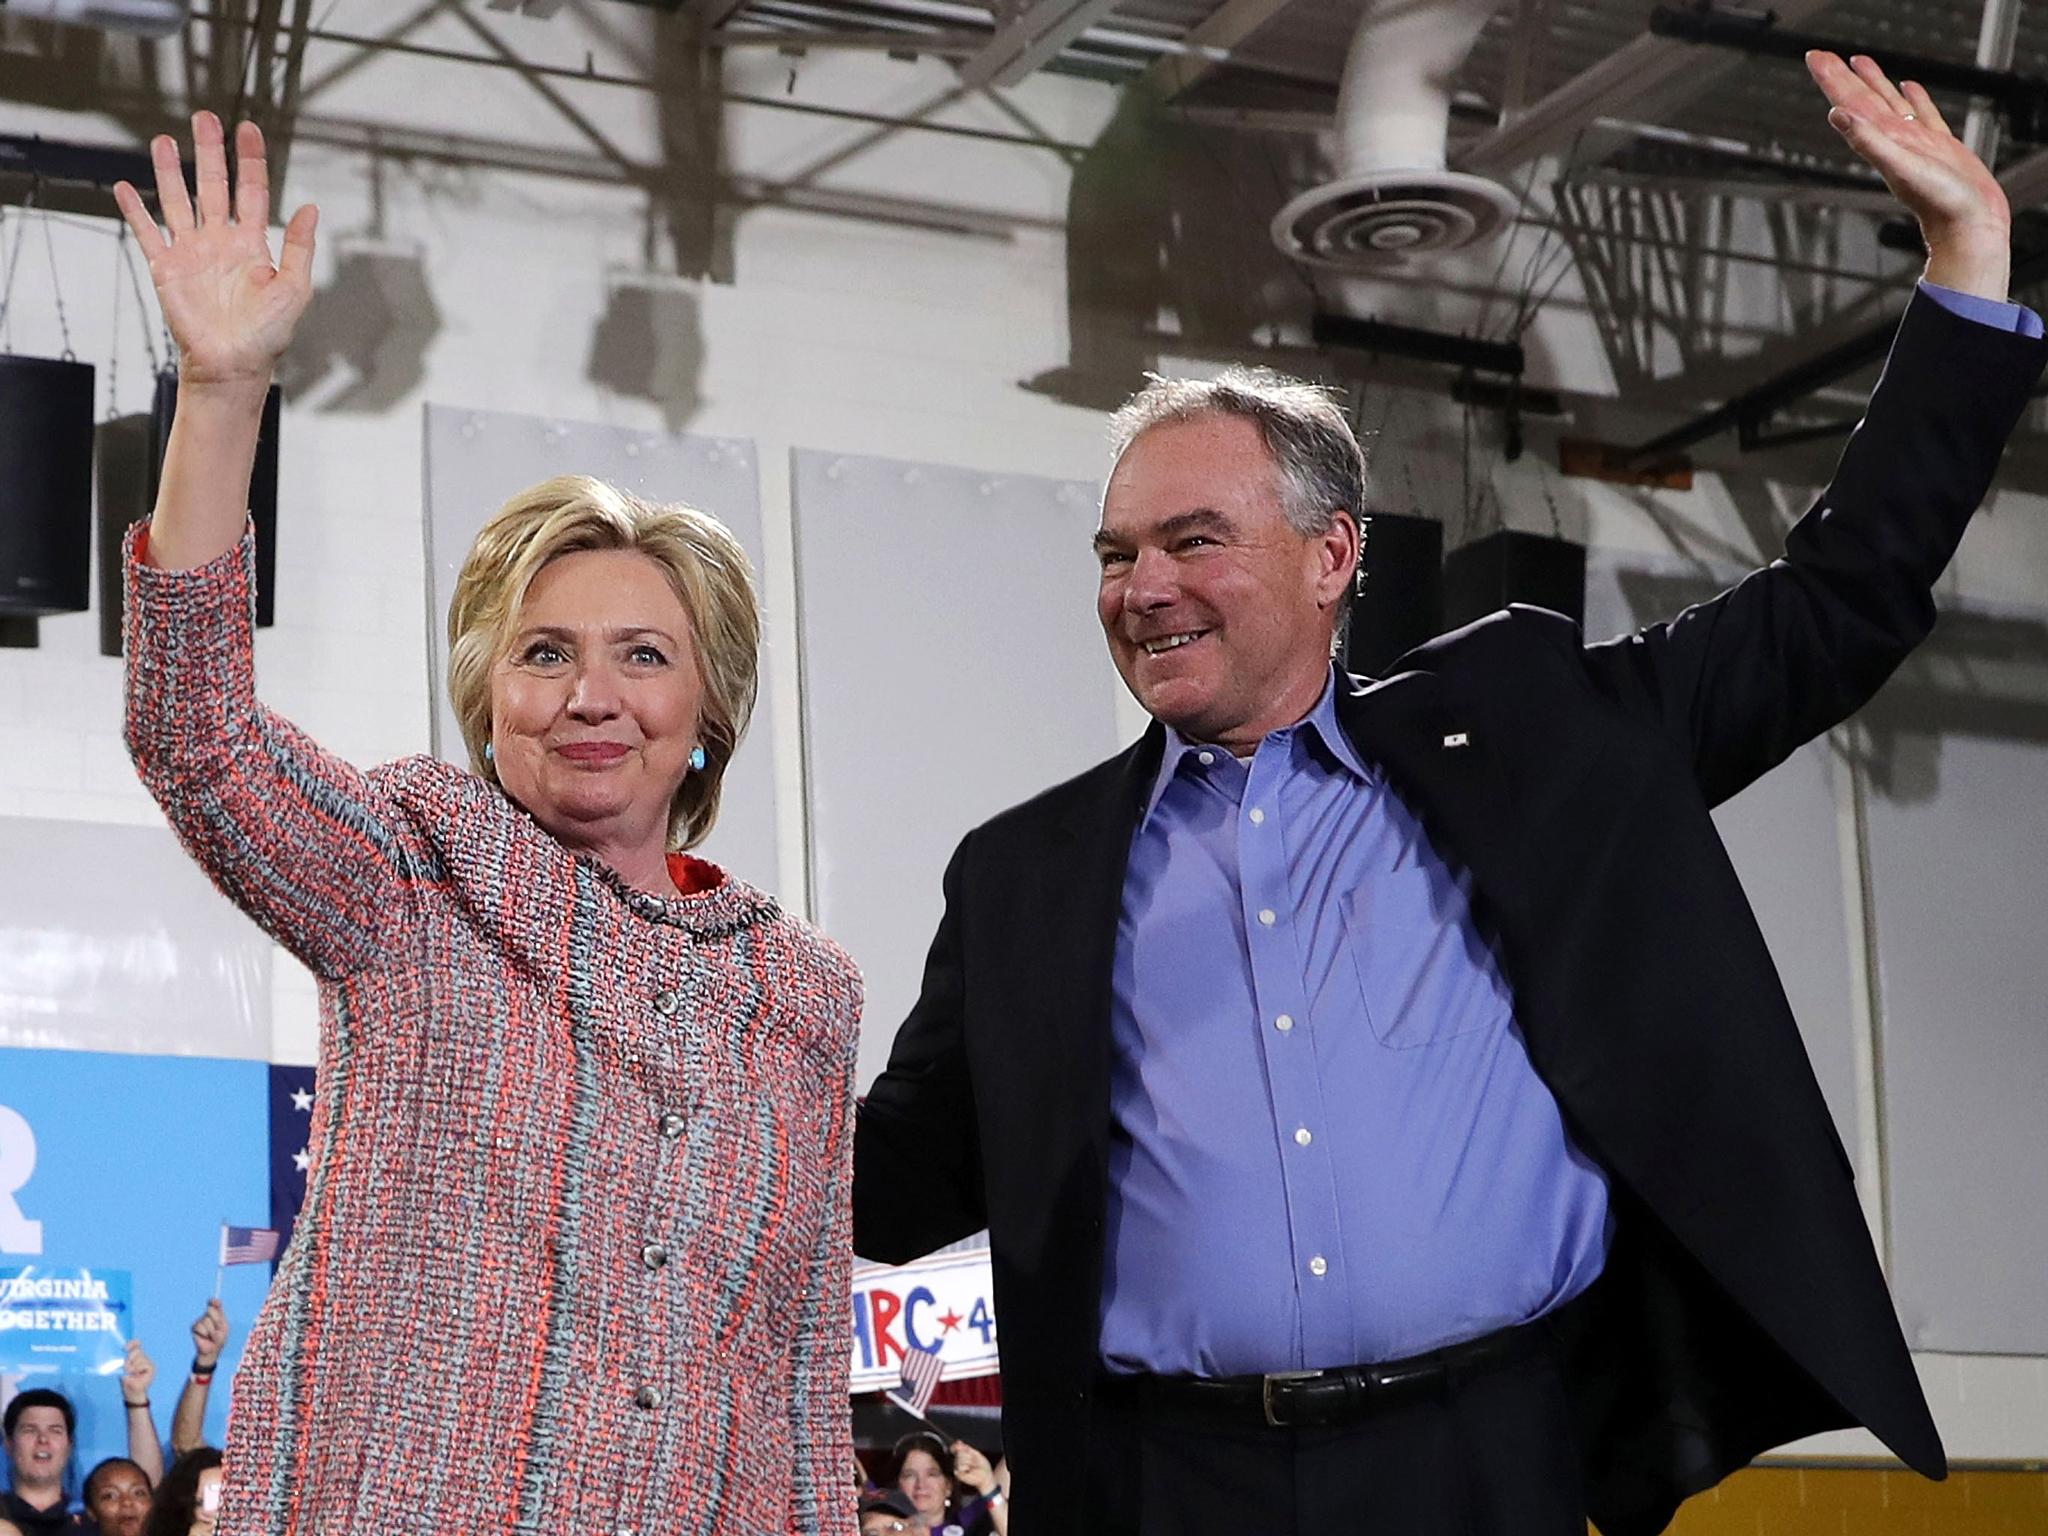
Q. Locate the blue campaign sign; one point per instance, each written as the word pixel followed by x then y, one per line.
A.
pixel 120 1169
pixel 63 1328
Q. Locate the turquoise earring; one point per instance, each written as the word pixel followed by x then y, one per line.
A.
pixel 490 753
pixel 697 759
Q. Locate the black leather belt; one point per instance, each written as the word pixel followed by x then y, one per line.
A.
pixel 1341 1394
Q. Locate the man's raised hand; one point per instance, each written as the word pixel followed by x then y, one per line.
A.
pixel 1963 213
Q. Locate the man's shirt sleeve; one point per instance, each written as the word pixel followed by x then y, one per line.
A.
pixel 2016 318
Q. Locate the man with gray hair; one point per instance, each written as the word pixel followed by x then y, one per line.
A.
pixel 1380 1099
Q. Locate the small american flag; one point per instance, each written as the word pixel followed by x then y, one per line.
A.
pixel 921 1372
pixel 247 1245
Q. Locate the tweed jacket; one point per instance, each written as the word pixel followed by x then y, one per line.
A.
pixel 575 1248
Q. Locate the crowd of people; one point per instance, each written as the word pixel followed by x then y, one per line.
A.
pixel 146 1492
pixel 924 1484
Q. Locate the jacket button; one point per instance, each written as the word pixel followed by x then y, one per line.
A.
pixel 671 1125
pixel 647 1397
pixel 654 1255
pixel 665 1003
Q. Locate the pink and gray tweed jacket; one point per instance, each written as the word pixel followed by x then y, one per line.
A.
pixel 575 1250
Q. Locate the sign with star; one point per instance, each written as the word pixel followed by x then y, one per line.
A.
pixel 943 1302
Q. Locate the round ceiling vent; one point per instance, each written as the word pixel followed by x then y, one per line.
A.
pixel 1386 217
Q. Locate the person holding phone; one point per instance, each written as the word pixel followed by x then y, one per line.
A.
pixel 187 1501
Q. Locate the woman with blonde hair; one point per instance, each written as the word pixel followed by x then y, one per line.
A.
pixel 574 1253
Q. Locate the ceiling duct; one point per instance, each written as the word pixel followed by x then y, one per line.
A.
pixel 150 18
pixel 1393 197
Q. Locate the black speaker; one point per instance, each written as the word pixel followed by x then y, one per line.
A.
pixel 45 486
pixel 1400 601
pixel 1510 567
pixel 124 473
pixel 262 484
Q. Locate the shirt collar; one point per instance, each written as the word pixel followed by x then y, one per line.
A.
pixel 1321 723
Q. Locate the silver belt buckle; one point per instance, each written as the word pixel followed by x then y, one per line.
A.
pixel 1266 1391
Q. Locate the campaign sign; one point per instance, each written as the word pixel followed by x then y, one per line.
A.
pixel 62 1327
pixel 118 1170
pixel 943 1302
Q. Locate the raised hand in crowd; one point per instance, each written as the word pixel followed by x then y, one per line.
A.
pixel 138 1371
pixel 972 1471
pixel 209 1342
pixel 232 311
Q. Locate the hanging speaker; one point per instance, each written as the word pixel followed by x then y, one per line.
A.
pixel 1508 566
pixel 45 486
pixel 1400 598
pixel 262 484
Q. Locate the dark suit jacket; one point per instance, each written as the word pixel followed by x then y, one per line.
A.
pixel 1743 1305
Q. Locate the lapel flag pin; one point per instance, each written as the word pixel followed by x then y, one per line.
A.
pixel 1457 739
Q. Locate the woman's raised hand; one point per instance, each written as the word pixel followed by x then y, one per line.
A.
pixel 230 307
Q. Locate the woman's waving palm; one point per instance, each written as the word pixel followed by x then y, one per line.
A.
pixel 230 307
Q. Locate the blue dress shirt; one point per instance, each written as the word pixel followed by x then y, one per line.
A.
pixel 1327 1143
pixel 2016 318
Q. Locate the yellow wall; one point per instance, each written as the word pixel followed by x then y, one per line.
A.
pixel 1865 1501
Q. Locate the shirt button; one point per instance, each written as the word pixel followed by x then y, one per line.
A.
pixel 671 1125
pixel 1301 1139
pixel 664 1002
pixel 1257 815
pixel 1284 1023
pixel 1316 1266
pixel 654 1255
pixel 1267 916
pixel 1205 758
pixel 650 1397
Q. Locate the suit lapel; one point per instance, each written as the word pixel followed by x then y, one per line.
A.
pixel 1447 768
pixel 1076 908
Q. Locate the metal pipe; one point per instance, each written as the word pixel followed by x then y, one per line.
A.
pixel 2022 98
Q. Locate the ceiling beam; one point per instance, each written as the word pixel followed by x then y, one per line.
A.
pixel 709 13
pixel 2026 181
pixel 1209 44
pixel 1031 38
pixel 1648 77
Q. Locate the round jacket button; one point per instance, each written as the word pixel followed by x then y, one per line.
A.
pixel 665 1002
pixel 654 1255
pixel 647 1397
pixel 671 1125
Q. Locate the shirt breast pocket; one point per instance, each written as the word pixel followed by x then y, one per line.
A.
pixel 1425 975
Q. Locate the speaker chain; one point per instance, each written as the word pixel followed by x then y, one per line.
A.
pixel 114 327
pixel 14 261
pixel 57 290
pixel 141 304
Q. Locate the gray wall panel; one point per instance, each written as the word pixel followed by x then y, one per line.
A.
pixel 952 667
pixel 1959 867
pixel 119 942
